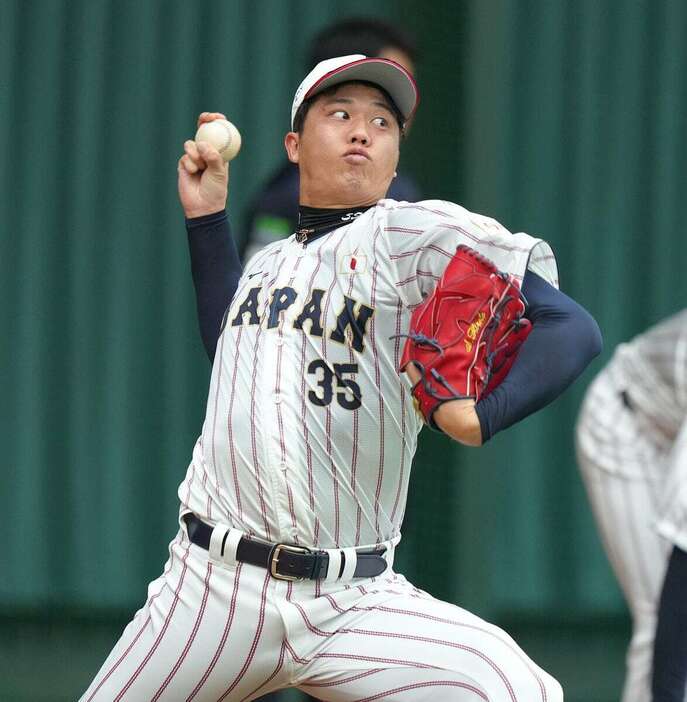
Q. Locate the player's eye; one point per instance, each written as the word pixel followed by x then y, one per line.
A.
pixel 380 122
pixel 340 114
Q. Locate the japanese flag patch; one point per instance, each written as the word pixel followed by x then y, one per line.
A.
pixel 353 263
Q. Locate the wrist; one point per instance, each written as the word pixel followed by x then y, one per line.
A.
pixel 203 219
pixel 459 420
pixel 204 211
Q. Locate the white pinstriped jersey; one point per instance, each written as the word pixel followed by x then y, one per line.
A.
pixel 310 430
pixel 655 368
pixel 654 365
pixel 651 370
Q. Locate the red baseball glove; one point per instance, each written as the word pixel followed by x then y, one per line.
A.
pixel 465 336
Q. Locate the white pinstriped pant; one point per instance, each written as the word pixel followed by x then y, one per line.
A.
pixel 626 490
pixel 211 631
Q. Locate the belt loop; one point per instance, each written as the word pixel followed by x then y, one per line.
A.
pixel 389 554
pixel 351 560
pixel 334 565
pixel 231 546
pixel 217 541
pixel 224 542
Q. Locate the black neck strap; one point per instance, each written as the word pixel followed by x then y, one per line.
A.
pixel 315 221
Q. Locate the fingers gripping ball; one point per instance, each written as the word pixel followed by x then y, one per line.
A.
pixel 223 135
pixel 465 336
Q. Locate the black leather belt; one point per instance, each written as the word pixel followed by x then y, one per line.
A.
pixel 285 561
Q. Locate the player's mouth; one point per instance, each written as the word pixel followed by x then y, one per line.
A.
pixel 356 156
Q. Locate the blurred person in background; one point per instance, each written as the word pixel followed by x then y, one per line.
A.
pixel 273 213
pixel 632 452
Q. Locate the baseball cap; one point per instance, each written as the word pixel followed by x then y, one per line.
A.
pixel 383 72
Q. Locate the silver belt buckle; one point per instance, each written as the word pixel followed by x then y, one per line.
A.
pixel 274 561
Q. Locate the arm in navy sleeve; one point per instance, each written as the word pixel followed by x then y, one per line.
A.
pixel 216 271
pixel 563 340
pixel 670 646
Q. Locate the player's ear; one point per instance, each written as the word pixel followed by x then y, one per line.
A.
pixel 291 144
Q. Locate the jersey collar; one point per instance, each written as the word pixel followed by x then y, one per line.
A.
pixel 316 221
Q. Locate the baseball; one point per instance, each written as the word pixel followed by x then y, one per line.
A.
pixel 223 135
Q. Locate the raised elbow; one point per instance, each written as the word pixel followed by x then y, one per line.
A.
pixel 593 340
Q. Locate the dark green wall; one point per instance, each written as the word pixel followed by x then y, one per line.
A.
pixel 563 119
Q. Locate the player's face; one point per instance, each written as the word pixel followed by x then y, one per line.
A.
pixel 348 149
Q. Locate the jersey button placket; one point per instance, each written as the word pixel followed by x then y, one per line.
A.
pixel 268 422
pixel 279 446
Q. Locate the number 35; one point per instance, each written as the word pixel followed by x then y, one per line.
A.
pixel 347 391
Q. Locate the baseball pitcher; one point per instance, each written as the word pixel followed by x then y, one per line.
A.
pixel 374 318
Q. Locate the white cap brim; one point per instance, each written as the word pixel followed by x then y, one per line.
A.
pixel 385 73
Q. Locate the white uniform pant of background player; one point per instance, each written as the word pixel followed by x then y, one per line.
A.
pixel 625 468
pixel 212 630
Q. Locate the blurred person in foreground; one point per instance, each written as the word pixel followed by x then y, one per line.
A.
pixel 273 213
pixel 632 452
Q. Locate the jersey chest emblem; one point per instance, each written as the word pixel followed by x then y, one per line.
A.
pixel 269 308
pixel 351 264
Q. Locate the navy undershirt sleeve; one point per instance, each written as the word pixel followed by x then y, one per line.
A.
pixel 216 270
pixel 669 674
pixel 563 340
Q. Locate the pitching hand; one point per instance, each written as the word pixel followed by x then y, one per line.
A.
pixel 203 175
